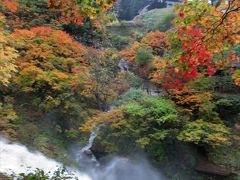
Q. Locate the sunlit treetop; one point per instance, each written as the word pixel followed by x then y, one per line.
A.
pixel 10 5
pixel 76 11
pixel 42 44
pixel 8 55
pixel 51 65
pixel 70 11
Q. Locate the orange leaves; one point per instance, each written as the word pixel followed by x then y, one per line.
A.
pixel 236 77
pixel 51 65
pixel 130 53
pixel 157 41
pixel 75 11
pixel 154 41
pixel 57 36
pixel 44 43
pixel 188 99
pixel 237 81
pixel 22 33
pixel 10 5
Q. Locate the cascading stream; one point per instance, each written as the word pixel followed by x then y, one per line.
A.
pixel 123 65
pixel 16 158
pixel 85 153
pixel 117 168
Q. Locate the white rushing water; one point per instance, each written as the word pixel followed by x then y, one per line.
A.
pixel 16 158
pixel 84 155
pixel 116 168
pixel 120 168
pixel 123 65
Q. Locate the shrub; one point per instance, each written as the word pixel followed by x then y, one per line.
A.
pixel 203 132
pixel 144 57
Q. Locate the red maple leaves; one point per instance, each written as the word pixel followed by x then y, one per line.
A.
pixel 195 54
pixel 10 5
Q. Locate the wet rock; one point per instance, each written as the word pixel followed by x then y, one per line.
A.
pixel 3 177
pixel 210 168
pixel 98 150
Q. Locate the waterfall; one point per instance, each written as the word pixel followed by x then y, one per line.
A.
pixel 16 158
pixel 85 154
pixel 90 140
pixel 116 168
pixel 123 65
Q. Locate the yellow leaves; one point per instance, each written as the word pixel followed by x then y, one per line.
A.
pixel 143 142
pixel 159 65
pixel 156 40
pixel 28 77
pixel 236 77
pixel 8 56
pixel 60 75
pixel 7 115
pixel 114 118
pixel 203 132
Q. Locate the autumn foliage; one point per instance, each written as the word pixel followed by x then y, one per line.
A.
pixel 167 93
pixel 76 11
pixel 12 6
pixel 200 43
pixel 156 42
pixel 236 77
pixel 8 55
pixel 203 32
pixel 50 63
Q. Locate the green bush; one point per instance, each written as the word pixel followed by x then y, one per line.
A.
pixel 202 132
pixel 144 57
pixel 119 42
pixel 131 95
pixel 141 119
pixel 166 23
pixel 38 174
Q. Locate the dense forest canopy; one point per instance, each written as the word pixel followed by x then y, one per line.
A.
pixel 165 84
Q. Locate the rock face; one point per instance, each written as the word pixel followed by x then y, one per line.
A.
pixel 209 168
pixel 3 177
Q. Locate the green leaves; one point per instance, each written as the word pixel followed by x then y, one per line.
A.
pixel 134 110
pixel 144 120
pixel 202 132
pixel 144 57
